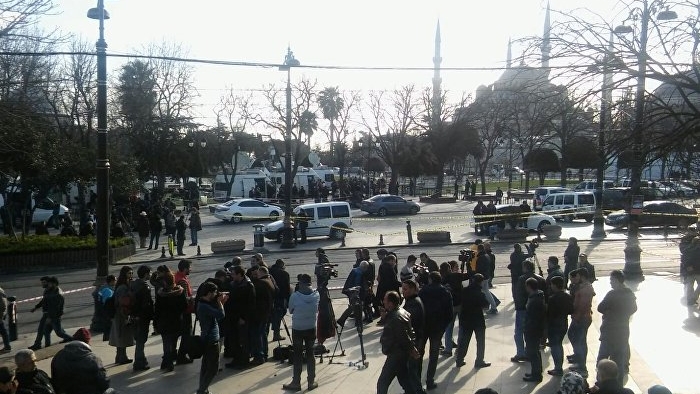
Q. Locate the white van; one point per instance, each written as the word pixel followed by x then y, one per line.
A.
pixel 542 192
pixel 570 205
pixel 328 219
pixel 592 184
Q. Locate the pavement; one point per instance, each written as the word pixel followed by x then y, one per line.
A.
pixel 664 342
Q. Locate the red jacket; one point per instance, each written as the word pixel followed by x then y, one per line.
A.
pixel 184 282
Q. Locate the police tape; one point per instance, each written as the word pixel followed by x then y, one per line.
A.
pixel 64 293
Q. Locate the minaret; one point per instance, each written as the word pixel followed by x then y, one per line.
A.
pixel 509 56
pixel 437 81
pixel 546 47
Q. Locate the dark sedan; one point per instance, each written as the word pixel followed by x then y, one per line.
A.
pixel 656 213
pixel 384 204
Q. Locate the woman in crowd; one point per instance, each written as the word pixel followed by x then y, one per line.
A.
pixel 171 302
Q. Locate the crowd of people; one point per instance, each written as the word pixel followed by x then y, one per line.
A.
pixel 417 306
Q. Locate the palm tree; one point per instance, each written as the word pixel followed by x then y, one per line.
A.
pixel 308 125
pixel 331 104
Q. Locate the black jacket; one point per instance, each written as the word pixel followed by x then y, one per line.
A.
pixel 535 315
pixel 414 306
pixel 483 265
pixel 516 265
pixel 34 382
pixel 571 258
pixel 170 305
pixel 264 296
pixel 143 299
pixel 438 305
pixel 616 307
pixel 53 303
pixel 473 304
pixel 75 369
pixel 520 292
pixel 559 307
pixel 454 282
pixel 398 336
pixel 241 302
pixel 612 387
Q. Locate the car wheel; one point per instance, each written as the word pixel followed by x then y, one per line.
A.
pixel 542 224
pixel 682 224
pixel 413 210
pixel 382 212
pixel 274 215
pixel 237 218
pixel 337 232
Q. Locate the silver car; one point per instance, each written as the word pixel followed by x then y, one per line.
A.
pixel 384 204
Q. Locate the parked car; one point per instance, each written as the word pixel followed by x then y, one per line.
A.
pixel 329 219
pixel 384 204
pixel 514 217
pixel 656 213
pixel 541 194
pixel 592 184
pixel 239 209
pixel 43 211
pixel 678 189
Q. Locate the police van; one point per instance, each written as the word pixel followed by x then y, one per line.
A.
pixel 325 219
pixel 570 205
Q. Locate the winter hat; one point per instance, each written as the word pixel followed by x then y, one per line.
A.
pixel 659 389
pixel 572 383
pixel 82 335
pixel 304 279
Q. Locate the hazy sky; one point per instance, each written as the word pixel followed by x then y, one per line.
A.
pixel 322 33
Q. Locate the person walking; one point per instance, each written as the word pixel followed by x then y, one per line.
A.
pixel 180 227
pixel 171 302
pixel 121 335
pixel 303 306
pixel 535 317
pixel 559 307
pixel 52 306
pixel 471 321
pixel 182 279
pixel 142 313
pixel 617 307
pixel 438 302
pixel 143 228
pixel 414 305
pixel 40 331
pixel 210 310
pixel 398 344
pixel 195 226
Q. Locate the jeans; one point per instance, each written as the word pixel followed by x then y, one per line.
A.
pixel 140 337
pixel 415 368
pixel 180 244
pixel 555 335
pixel 186 335
pixel 155 235
pixel 395 366
pixel 489 296
pixel 193 236
pixel 617 348
pixel 532 349
pixel 169 349
pixel 255 330
pixel 578 332
pixel 41 332
pixel 450 329
pixel 691 292
pixel 463 343
pixel 304 342
pixel 435 339
pixel 519 335
pixel 55 325
pixel 210 366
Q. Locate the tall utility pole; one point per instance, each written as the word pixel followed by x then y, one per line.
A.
pixel 288 231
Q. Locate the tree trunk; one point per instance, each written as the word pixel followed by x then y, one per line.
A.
pixel 440 183
pixel 527 181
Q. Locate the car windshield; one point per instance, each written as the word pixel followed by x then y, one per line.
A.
pixel 378 197
pixel 230 202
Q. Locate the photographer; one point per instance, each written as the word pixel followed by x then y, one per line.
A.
pixel 483 267
pixel 320 263
pixel 355 289
pixel 386 279
pixel 303 306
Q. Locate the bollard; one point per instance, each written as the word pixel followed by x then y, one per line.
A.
pixel 408 230
pixel 12 318
pixel 162 252
pixel 199 251
pixel 381 239
pixel 342 240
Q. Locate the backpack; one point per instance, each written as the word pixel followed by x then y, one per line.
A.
pixel 110 308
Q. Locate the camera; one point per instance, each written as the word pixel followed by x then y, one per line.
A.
pixel 532 247
pixel 466 255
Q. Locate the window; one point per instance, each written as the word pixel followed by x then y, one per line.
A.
pixel 586 199
pixel 323 212
pixel 549 201
pixel 341 211
pixel 245 204
pixel 568 199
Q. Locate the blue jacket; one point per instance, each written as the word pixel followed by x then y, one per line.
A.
pixel 208 315
pixel 303 305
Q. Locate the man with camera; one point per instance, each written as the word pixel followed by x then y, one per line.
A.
pixel 303 306
pixel 355 289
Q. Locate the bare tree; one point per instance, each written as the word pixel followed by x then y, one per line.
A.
pixel 18 18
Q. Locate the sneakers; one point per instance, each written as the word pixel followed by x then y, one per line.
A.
pixel 556 372
pixel 482 364
pixel 34 347
pixel 459 364
pixel 6 349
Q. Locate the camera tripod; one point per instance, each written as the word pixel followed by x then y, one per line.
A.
pixel 355 309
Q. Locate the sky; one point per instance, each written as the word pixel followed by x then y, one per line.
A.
pixel 366 33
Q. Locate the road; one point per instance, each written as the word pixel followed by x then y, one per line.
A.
pixel 659 254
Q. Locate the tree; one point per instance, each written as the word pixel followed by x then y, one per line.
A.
pixel 308 124
pixel 580 152
pixel 331 103
pixel 19 17
pixel 541 161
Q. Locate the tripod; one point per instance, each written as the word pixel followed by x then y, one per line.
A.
pixel 355 308
pixel 325 324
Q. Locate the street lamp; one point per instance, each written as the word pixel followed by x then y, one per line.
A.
pixel 102 162
pixel 203 144
pixel 288 235
pixel 606 97
pixel 633 267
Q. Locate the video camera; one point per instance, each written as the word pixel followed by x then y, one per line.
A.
pixel 326 271
pixel 466 255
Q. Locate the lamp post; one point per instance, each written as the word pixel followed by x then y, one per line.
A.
pixel 287 235
pixel 203 144
pixel 271 151
pixel 606 97
pixel 102 162
pixel 633 267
